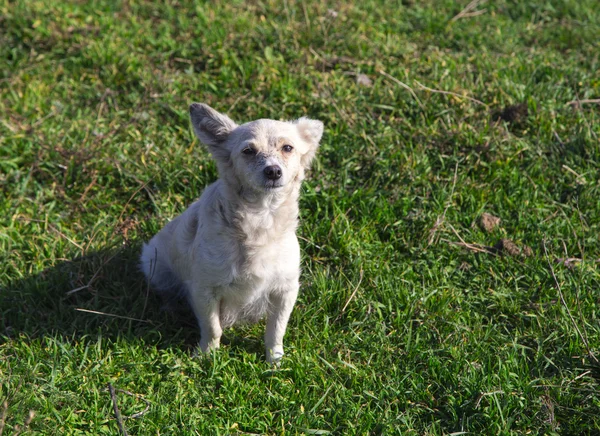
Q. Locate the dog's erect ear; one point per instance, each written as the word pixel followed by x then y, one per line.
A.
pixel 210 126
pixel 311 131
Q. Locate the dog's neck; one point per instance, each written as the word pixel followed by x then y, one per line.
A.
pixel 264 215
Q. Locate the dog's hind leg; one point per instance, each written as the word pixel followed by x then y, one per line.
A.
pixel 207 310
pixel 277 320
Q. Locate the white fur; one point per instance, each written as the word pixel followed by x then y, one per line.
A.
pixel 234 251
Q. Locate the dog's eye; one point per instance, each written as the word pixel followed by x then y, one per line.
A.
pixel 249 151
pixel 287 148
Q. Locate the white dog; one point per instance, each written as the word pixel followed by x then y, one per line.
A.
pixel 234 252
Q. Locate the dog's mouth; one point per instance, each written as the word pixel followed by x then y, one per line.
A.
pixel 271 185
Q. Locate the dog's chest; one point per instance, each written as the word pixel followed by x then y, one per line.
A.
pixel 249 253
pixel 265 266
pixel 255 274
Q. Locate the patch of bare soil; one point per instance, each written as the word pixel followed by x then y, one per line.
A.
pixel 489 222
pixel 506 247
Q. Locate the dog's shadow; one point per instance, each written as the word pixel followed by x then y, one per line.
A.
pixel 100 294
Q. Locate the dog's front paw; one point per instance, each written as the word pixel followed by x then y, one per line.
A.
pixel 208 346
pixel 274 354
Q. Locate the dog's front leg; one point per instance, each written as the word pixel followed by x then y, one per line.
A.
pixel 207 312
pixel 282 304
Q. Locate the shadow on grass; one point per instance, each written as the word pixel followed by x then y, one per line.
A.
pixel 102 293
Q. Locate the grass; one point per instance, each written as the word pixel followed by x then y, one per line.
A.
pixel 399 328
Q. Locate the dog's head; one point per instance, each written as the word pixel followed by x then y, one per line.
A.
pixel 262 155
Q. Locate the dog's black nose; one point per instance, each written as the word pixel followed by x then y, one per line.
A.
pixel 273 172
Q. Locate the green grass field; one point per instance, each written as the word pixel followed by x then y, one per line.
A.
pixel 407 322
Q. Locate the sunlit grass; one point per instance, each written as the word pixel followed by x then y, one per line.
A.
pixel 408 322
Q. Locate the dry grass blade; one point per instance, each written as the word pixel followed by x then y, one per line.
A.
pixel 486 394
pixel 18 429
pixel 54 229
pixel 580 179
pixel 568 262
pixel 72 291
pixel 564 303
pixel 548 410
pixel 468 10
pixel 95 312
pixel 403 85
pixel 142 186
pixel 577 103
pixel 473 247
pixel 440 219
pixel 3 416
pixel 454 94
pixel 478 248
pixel 353 292
pixel 113 397
pixel 139 397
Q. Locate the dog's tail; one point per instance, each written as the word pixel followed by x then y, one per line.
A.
pixel 160 275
